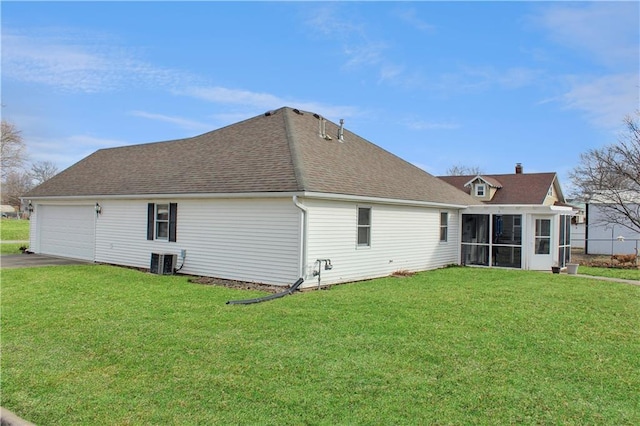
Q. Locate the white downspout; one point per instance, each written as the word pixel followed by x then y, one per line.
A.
pixel 303 237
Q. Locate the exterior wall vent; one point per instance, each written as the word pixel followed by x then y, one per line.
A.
pixel 162 264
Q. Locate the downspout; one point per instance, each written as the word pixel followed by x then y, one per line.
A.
pixel 303 237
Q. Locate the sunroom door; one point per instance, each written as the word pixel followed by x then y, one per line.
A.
pixel 541 257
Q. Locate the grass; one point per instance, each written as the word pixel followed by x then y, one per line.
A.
pixel 12 248
pixel 13 229
pixel 625 274
pixel 106 345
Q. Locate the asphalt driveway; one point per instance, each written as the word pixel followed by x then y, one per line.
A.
pixel 35 260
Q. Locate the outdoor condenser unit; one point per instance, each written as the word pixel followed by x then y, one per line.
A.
pixel 163 264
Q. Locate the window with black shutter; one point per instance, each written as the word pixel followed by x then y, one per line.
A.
pixel 162 221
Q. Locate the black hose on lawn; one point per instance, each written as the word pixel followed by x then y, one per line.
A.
pixel 290 290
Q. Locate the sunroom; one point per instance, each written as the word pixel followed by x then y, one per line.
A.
pixel 523 237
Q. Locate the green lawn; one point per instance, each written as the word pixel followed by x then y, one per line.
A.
pixel 106 345
pixel 13 229
pixel 625 274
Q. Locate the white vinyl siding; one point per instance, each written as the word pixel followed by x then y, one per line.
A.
pixel 240 239
pixel 403 238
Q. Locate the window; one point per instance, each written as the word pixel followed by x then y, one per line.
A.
pixel 444 226
pixel 161 221
pixel 364 226
pixel 543 236
pixel 550 191
pixel 480 190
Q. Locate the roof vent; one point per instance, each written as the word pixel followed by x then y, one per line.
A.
pixel 268 113
pixel 322 128
pixel 297 111
pixel 341 131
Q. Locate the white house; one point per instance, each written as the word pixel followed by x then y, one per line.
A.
pixel 270 199
pixel 606 237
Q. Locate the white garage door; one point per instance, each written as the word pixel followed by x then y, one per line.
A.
pixel 67 231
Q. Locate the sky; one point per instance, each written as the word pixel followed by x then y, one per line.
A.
pixel 439 84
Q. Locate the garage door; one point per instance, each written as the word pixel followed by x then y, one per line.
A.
pixel 67 231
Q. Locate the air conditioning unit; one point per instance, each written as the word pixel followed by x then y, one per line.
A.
pixel 163 264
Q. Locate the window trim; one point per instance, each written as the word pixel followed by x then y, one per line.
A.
pixel 158 222
pixel 365 226
pixel 483 187
pixel 444 227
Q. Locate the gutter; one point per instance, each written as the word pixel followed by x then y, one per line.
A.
pixel 303 236
pixel 250 195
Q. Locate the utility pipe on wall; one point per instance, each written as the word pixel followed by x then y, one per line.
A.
pixel 303 237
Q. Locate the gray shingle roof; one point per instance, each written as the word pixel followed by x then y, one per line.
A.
pixel 281 152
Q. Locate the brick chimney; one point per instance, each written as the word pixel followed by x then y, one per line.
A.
pixel 518 168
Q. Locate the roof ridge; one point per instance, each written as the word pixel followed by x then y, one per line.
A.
pixel 296 159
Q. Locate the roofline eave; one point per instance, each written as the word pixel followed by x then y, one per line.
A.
pixel 534 208
pixel 222 195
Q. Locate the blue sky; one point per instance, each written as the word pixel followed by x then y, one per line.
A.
pixel 484 84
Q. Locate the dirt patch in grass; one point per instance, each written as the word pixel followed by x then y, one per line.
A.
pixel 600 260
pixel 241 285
pixel 402 273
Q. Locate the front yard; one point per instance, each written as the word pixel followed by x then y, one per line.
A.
pixel 106 345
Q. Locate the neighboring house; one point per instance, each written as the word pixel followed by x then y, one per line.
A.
pixel 604 237
pixel 523 222
pixel 262 200
pixel 578 224
pixel 8 211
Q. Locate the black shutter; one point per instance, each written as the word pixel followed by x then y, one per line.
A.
pixel 173 216
pixel 151 210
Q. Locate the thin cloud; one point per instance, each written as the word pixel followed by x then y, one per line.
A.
pixel 431 125
pixel 261 102
pixel 359 50
pixel 66 151
pixel 605 100
pixel 77 62
pixel 223 95
pixel 178 121
pixel 606 31
pixel 410 16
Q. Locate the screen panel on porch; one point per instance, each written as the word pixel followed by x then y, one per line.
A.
pixel 564 242
pixel 475 239
pixel 503 249
pixel 507 241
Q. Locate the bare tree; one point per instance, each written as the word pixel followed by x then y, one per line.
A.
pixel 460 170
pixel 12 149
pixel 42 171
pixel 14 185
pixel 610 176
